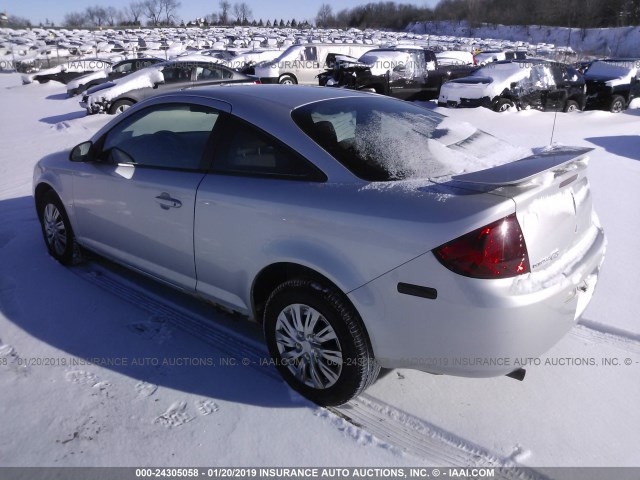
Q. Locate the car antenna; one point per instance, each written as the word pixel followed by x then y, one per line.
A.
pixel 555 115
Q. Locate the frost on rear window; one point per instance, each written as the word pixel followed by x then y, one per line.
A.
pixel 380 140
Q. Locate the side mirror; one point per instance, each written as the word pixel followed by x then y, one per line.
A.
pixel 82 152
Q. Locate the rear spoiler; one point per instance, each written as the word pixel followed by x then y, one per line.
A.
pixel 522 171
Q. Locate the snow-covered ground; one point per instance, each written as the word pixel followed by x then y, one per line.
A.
pixel 171 395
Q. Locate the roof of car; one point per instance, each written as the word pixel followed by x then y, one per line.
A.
pixel 287 96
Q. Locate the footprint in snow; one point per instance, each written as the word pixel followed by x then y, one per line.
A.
pixel 206 407
pixel 175 416
pixel 81 377
pixel 155 328
pixel 13 361
pixel 144 389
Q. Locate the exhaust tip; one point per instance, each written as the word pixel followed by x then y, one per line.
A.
pixel 518 374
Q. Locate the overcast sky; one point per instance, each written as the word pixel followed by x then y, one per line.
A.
pixel 39 10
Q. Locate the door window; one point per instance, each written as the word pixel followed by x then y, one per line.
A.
pixel 176 74
pixel 250 151
pixel 168 136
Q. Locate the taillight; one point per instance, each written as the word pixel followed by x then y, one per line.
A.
pixel 496 250
pixel 257 82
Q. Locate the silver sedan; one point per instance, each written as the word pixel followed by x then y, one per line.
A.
pixel 360 231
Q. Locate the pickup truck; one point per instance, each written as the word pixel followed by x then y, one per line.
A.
pixel 409 73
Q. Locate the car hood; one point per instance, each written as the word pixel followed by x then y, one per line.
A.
pixel 102 86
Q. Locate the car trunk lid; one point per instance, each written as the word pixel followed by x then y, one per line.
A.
pixel 552 199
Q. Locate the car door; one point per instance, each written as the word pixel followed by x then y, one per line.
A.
pixel 246 189
pixel 176 77
pixel 556 89
pixel 122 69
pixel 135 203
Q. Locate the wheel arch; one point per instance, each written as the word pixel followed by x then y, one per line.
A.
pixel 39 192
pixel 288 74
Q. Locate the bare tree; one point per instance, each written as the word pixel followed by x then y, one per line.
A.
pixel 111 15
pixel 242 12
pixel 325 15
pixel 75 20
pixel 135 10
pixel 153 11
pixel 224 12
pixel 96 15
pixel 169 7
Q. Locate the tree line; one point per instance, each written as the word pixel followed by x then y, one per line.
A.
pixel 566 13
pixel 158 13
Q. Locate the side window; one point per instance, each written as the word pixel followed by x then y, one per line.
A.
pixel 176 74
pixel 204 74
pixel 310 54
pixel 169 136
pixel 124 68
pixel 250 151
pixel 142 64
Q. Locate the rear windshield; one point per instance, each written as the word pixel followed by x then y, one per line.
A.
pixel 380 139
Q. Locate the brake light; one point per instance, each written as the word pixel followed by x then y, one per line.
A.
pixel 497 250
pixel 257 82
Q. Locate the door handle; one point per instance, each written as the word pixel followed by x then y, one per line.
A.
pixel 166 201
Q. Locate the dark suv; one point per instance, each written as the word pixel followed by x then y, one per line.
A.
pixel 612 84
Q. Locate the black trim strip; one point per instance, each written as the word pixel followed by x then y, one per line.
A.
pixel 417 291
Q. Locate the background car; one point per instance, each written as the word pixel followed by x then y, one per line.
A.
pixel 67 71
pixel 612 84
pixel 360 231
pixel 521 84
pixel 112 72
pixel 116 97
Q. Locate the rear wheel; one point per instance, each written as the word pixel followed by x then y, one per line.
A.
pixel 617 104
pixel 287 80
pixel 504 105
pixel 120 106
pixel 318 343
pixel 571 106
pixel 56 229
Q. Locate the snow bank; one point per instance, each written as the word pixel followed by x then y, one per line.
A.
pixel 607 42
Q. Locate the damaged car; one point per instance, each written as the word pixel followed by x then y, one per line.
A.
pixel 522 84
pixel 612 84
pixel 408 73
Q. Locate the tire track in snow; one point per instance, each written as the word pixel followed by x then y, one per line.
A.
pixel 406 433
pixel 596 332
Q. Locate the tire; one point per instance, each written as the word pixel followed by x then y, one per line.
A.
pixel 56 229
pixel 503 105
pixel 617 104
pixel 571 106
pixel 287 80
pixel 120 107
pixel 342 356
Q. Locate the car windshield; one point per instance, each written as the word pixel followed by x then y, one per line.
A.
pixel 381 139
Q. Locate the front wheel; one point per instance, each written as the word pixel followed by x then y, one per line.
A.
pixel 56 229
pixel 571 106
pixel 617 104
pixel 287 80
pixel 120 106
pixel 318 343
pixel 504 105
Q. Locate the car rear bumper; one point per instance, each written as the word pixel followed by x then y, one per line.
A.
pixel 473 328
pixel 466 103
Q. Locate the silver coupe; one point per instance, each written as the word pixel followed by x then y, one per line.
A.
pixel 360 231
